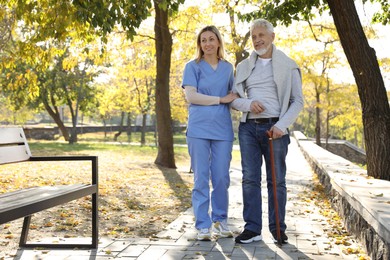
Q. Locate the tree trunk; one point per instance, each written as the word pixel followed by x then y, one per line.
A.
pixel 155 130
pixel 105 128
pixel 165 156
pixel 73 135
pixel 308 125
pixel 327 114
pixel 143 129
pixel 371 87
pixel 318 118
pixel 239 42
pixel 128 128
pixel 75 115
pixel 116 135
pixel 57 118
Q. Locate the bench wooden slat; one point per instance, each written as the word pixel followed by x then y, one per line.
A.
pixel 26 202
pixel 11 135
pixel 20 198
pixel 13 145
pixel 15 153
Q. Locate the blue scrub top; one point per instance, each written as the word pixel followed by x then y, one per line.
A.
pixel 209 122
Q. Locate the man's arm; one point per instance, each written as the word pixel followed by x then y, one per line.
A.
pixel 247 105
pixel 242 104
pixel 296 103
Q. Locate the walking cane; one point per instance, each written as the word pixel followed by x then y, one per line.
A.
pixel 271 150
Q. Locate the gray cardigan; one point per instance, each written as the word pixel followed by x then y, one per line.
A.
pixel 289 94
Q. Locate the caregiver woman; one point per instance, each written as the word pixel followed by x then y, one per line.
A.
pixel 208 81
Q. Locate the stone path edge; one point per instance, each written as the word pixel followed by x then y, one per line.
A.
pixel 363 203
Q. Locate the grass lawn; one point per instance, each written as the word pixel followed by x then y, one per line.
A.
pixel 135 137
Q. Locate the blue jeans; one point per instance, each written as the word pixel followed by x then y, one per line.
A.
pixel 210 159
pixel 254 146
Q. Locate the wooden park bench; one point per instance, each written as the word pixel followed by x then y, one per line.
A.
pixel 25 202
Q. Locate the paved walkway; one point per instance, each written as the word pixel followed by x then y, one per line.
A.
pixel 306 230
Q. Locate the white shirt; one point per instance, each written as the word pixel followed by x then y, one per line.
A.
pixel 261 87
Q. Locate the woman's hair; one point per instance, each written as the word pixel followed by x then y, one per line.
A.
pixel 262 23
pixel 221 49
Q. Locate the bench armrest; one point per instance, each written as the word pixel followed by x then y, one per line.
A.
pixel 93 159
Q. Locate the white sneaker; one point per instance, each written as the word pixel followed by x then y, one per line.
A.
pixel 204 234
pixel 221 229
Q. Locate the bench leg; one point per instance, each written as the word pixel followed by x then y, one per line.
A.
pixel 95 222
pixel 25 229
pixel 95 231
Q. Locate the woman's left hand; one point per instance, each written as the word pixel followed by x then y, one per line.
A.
pixel 228 98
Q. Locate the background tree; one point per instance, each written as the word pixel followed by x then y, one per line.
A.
pixel 143 87
pixel 163 43
pixel 35 59
pixel 131 78
pixel 104 15
pixel 11 116
pixel 133 73
pixel 337 95
pixel 236 44
pixel 7 23
pixel 118 82
pixel 317 57
pixel 73 75
pixel 64 82
pixel 371 87
pixel 107 105
pixel 344 113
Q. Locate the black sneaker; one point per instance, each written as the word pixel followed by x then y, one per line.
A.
pixel 248 236
pixel 283 236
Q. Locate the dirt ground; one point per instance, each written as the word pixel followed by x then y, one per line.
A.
pixel 136 199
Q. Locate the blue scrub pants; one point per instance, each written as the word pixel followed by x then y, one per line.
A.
pixel 210 159
pixel 254 147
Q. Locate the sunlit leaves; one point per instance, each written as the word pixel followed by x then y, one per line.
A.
pixel 334 233
pixel 284 12
pixel 48 19
pixel 383 16
pixel 105 15
pixel 42 31
pixel 129 85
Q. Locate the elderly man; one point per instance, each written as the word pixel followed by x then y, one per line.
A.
pixel 270 88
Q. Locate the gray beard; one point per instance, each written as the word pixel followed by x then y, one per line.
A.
pixel 262 51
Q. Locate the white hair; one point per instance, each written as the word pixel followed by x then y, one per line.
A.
pixel 262 23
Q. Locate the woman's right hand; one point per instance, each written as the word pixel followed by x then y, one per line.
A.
pixel 228 98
